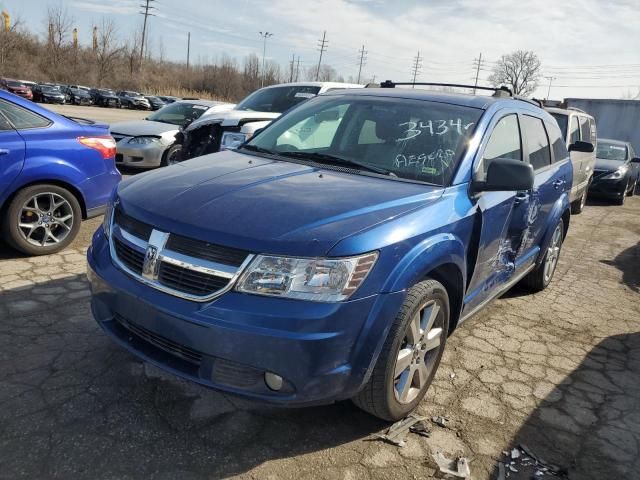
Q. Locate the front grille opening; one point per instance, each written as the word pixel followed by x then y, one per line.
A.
pixel 190 281
pixel 207 251
pixel 131 225
pixel 132 259
pixel 169 346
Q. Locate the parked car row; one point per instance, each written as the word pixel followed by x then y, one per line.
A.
pixel 82 95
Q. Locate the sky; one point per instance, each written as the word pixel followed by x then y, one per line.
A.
pixel 588 48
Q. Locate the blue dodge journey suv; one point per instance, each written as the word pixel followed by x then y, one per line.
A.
pixel 331 255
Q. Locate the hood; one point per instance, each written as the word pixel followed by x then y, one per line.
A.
pixel 265 205
pixel 232 118
pixel 143 127
pixel 608 165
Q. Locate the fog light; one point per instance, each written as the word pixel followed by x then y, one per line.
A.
pixel 273 381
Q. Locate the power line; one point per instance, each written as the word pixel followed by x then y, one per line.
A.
pixel 551 79
pixel 264 36
pixel 363 60
pixel 323 46
pixel 147 13
pixel 416 67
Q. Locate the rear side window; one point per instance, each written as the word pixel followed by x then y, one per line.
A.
pixel 574 132
pixel 4 124
pixel 504 143
pixel 21 118
pixel 557 144
pixel 585 128
pixel 537 142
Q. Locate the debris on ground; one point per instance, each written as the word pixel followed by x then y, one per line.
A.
pixel 440 421
pixel 522 461
pixel 458 467
pixel 420 428
pixel 396 433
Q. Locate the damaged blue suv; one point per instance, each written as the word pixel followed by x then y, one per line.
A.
pixel 331 255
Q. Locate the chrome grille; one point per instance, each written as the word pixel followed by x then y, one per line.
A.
pixel 174 264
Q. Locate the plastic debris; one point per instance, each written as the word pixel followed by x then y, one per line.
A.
pixel 440 421
pixel 458 467
pixel 515 453
pixel 420 428
pixel 396 433
pixel 522 460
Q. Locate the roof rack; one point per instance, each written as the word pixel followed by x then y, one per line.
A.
pixel 498 90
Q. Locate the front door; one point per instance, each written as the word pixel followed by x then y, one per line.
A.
pixel 12 151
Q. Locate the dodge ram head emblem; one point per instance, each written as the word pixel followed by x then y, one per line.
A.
pixel 150 265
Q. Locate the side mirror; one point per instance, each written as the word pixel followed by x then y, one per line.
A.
pixel 507 175
pixel 635 160
pixel 580 146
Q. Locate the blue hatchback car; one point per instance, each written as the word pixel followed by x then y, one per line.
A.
pixel 54 171
pixel 331 255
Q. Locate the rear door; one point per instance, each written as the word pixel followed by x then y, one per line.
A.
pixel 552 179
pixel 12 151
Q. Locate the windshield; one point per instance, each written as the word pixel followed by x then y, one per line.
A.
pixel 48 89
pixel 178 113
pixel 611 151
pixel 106 92
pixel 15 84
pixel 562 123
pixel 131 94
pixel 413 140
pixel 277 99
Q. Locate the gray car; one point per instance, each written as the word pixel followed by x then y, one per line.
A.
pixel 150 142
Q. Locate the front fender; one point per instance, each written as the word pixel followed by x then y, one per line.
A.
pixel 428 255
pixel 560 208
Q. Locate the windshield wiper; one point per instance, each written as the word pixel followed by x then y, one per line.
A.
pixel 335 160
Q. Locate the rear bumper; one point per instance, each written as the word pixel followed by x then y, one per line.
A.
pixel 97 190
pixel 324 351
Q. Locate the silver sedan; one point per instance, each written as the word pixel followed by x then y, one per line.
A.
pixel 150 143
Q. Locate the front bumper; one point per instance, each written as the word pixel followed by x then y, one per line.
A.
pixel 60 101
pixel 141 156
pixel 324 351
pixel 609 188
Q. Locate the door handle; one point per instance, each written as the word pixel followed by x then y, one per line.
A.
pixel 522 197
pixel 4 151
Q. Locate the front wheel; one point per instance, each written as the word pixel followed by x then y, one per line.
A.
pixel 42 219
pixel 172 156
pixel 578 206
pixel 411 354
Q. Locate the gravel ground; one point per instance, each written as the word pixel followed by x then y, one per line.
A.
pixel 558 371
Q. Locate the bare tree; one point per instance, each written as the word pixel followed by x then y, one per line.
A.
pixel 519 70
pixel 8 41
pixel 108 50
pixel 60 24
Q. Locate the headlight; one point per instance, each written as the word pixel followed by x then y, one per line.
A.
pixel 317 279
pixel 108 216
pixel 144 140
pixel 618 174
pixel 232 140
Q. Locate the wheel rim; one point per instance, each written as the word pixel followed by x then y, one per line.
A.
pixel 553 253
pixel 45 219
pixel 418 353
pixel 172 156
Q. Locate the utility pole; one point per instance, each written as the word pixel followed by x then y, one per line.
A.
pixel 293 61
pixel 415 68
pixel 188 48
pixel 298 69
pixel 479 60
pixel 147 13
pixel 363 59
pixel 323 46
pixel 551 79
pixel 264 36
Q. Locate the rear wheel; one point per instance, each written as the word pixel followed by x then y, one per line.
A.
pixel 42 219
pixel 411 354
pixel 541 276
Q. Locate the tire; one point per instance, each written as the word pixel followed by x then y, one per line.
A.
pixel 172 155
pixel 578 206
pixel 61 224
pixel 632 190
pixel 623 196
pixel 383 394
pixel 540 278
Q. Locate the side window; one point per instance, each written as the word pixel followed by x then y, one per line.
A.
pixel 4 124
pixel 594 133
pixel 585 129
pixel 537 142
pixel 504 143
pixel 574 130
pixel 22 118
pixel 557 144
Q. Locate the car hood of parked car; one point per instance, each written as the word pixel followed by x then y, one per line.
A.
pixel 608 165
pixel 143 127
pixel 265 205
pixel 232 118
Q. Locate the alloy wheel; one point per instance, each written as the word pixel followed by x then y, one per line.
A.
pixel 553 254
pixel 45 219
pixel 418 353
